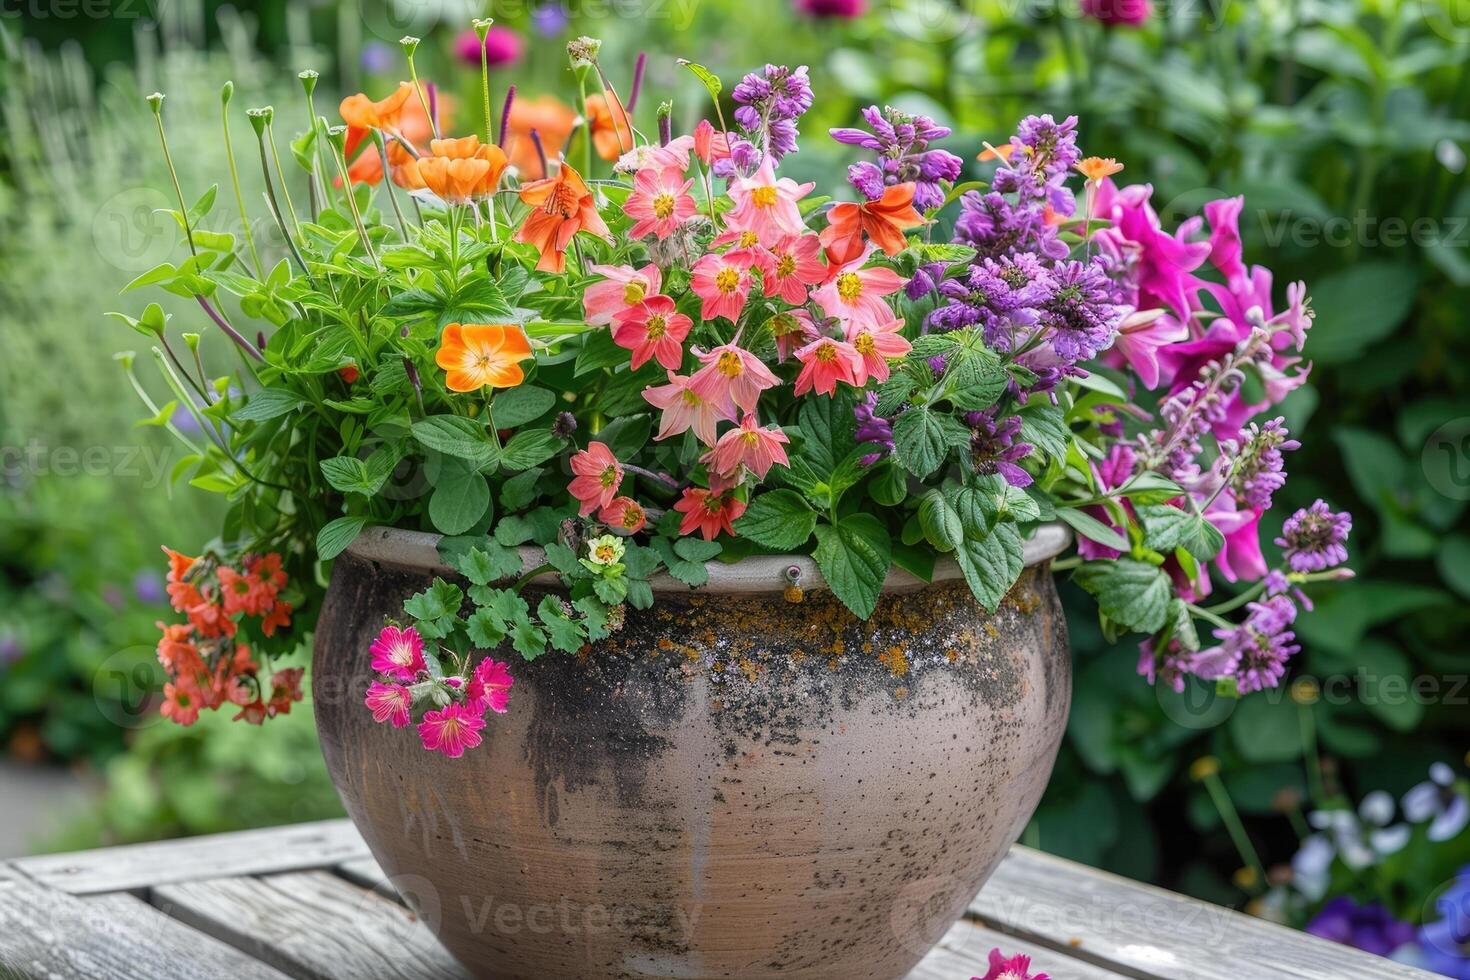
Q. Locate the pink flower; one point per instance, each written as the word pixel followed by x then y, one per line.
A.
pixel 398 653
pixel 451 730
pixel 621 288
pixel 660 202
pixel 708 513
pixel 731 376
pixel 748 445
pixel 878 346
pixel 1130 13
pixel 1165 262
pixel 596 476
pixel 840 9
pixel 489 687
pixel 792 329
pixel 684 409
pixel 1225 247
pixel 709 143
pixel 722 282
pixel 824 362
pixel 767 205
pixel 674 153
pixel 502 46
pixel 653 329
pixel 790 266
pixel 1241 556
pixel 854 295
pixel 1010 968
pixel 624 516
pixel 1139 340
pixel 388 702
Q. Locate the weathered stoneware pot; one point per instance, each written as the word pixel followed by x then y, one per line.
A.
pixel 734 785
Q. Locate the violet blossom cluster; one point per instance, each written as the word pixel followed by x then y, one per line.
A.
pixel 902 142
pixel 768 105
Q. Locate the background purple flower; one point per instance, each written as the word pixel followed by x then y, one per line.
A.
pixel 1369 927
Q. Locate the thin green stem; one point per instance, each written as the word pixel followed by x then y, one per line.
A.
pixel 173 175
pixel 1231 819
pixel 224 115
pixel 270 133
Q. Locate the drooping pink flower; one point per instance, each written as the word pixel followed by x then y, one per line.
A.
pixel 398 653
pixel 854 295
pixel 683 409
pixel 1016 967
pixel 596 477
pixel 388 702
pixel 766 204
pixel 709 143
pixel 1165 262
pixel 792 330
pixel 674 153
pixel 708 513
pixel 624 516
pixel 824 362
pixel 653 329
pixel 731 376
pixel 622 287
pixel 723 283
pixel 660 202
pixel 748 445
pixel 1139 340
pixel 1241 556
pixel 489 687
pixel 790 265
pixel 451 730
pixel 879 345
pixel 1225 247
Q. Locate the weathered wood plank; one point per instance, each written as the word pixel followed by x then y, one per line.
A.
pixel 964 952
pixel 1145 931
pixel 312 924
pixel 113 869
pixel 46 933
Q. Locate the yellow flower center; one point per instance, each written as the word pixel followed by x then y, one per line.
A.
pixel 864 343
pixel 657 327
pixel 849 286
pixel 606 553
pixel 633 292
pixel 608 477
pixel 663 206
pixel 727 280
pixel 826 353
pixel 748 238
pixel 729 364
pixel 631 517
pixel 751 437
pixel 690 398
pixel 763 197
pixel 785 265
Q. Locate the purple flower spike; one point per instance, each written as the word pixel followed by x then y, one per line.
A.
pixel 1315 539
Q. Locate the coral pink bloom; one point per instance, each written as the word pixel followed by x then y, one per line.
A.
pixel 709 143
pixel 791 264
pixel 709 513
pixel 654 329
pixel 674 153
pixel 749 445
pixel 451 730
pixel 596 475
pixel 388 702
pixel 624 516
pixel 854 295
pixel 489 687
pixel 766 205
pixel 878 346
pixel 793 330
pixel 622 287
pixel 824 362
pixel 683 409
pixel 722 282
pixel 398 653
pixel 1139 340
pixel 731 375
pixel 660 202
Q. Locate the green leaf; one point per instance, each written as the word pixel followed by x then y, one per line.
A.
pixel 780 519
pixel 436 608
pixel 268 403
pixel 352 475
pixel 455 436
pixel 483 562
pixel 485 629
pixel 1131 593
pixel 565 633
pixel 697 549
pixel 528 641
pixel 529 448
pixel 522 489
pixel 478 301
pixel 854 556
pixel 1093 529
pixel 992 564
pixel 594 616
pixel 611 590
pixel 415 303
pixel 1167 528
pixel 940 521
pixel 1359 306
pixel 517 406
pixel 712 83
pixel 691 573
pixel 334 538
pixel 1045 427
pixel 461 498
pixel 922 439
pixel 1267 729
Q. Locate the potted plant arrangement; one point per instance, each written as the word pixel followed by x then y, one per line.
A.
pixel 677 543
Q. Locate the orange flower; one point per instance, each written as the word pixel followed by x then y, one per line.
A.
pixel 361 112
pixel 182 593
pixel 279 616
pixel 883 220
pixel 1002 152
pixel 462 168
pixel 612 135
pixel 412 125
pixel 552 120
pixel 561 206
pixel 477 354
pixel 1096 168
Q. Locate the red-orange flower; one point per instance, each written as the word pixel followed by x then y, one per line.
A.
pixel 182 701
pixel 278 617
pixel 884 221
pixel 361 112
pixel 177 652
pixel 181 592
pixel 477 354
pixel 561 206
pixel 552 120
pixel 607 120
pixel 708 513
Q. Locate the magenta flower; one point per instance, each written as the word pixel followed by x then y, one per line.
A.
pixel 489 687
pixel 838 9
pixel 1139 340
pixel 1128 13
pixel 388 702
pixel 398 653
pixel 1165 262
pixel 502 47
pixel 1016 967
pixel 451 730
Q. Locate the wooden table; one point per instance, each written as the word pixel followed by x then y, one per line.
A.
pixel 308 900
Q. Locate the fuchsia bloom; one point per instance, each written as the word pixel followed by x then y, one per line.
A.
pixel 854 295
pixel 824 362
pixel 624 516
pixel 879 345
pixel 388 702
pixel 723 283
pixel 1139 339
pixel 708 512
pixel 1165 262
pixel 790 265
pixel 451 730
pixel 1129 13
pixel 1016 967
pixel 398 653
pixel 489 687
pixel 597 474
pixel 660 202
pixel 684 409
pixel 653 329
pixel 748 445
pixel 766 205
pixel 731 376
pixel 623 287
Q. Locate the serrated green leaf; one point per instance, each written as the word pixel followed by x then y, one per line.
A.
pixel 992 564
pixel 1131 593
pixel 1167 528
pixel 780 519
pixel 854 556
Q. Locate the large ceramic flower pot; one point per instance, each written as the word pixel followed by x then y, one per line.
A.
pixel 733 785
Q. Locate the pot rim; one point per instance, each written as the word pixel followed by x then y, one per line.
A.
pixel 753 575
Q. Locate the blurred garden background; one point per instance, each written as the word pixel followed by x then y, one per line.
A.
pixel 1345 123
